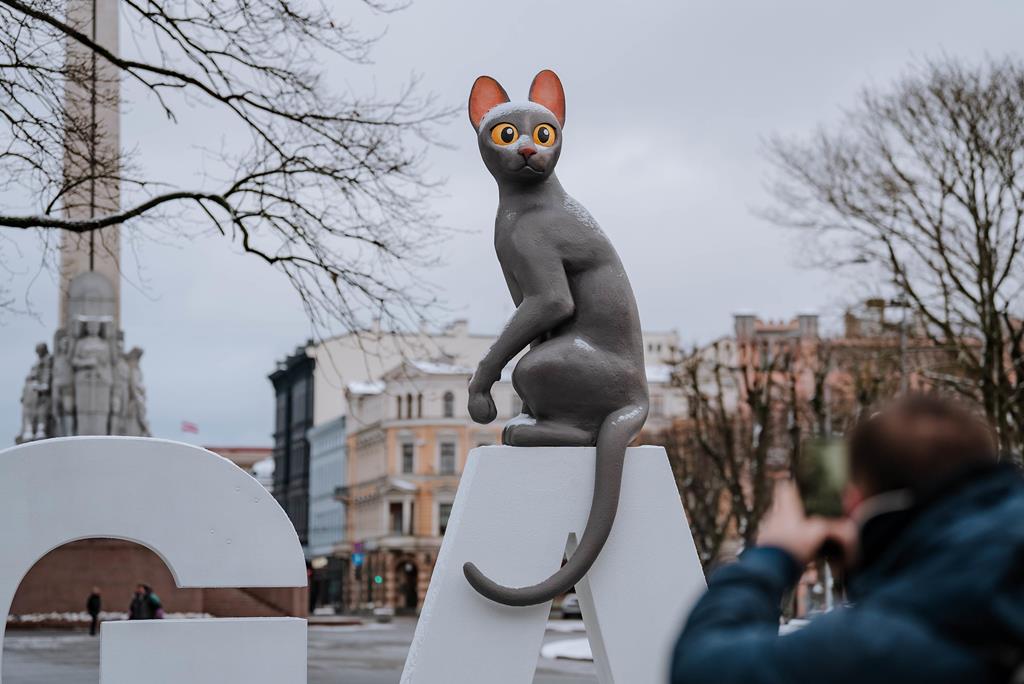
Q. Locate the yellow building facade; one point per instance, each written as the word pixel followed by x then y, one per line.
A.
pixel 408 440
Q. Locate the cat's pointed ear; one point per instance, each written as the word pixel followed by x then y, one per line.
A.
pixel 546 90
pixel 485 96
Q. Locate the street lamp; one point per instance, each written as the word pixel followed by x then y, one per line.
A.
pixel 904 305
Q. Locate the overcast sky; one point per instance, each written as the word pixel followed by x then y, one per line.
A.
pixel 667 106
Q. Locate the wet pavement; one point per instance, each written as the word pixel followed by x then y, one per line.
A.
pixel 357 654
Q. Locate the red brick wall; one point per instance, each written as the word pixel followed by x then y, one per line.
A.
pixel 61 581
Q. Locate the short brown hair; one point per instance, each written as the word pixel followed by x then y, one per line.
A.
pixel 917 440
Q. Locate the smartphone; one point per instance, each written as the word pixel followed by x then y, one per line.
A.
pixel 821 476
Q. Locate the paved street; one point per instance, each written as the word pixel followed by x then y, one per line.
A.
pixel 370 654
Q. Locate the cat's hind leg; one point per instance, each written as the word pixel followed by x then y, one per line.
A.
pixel 528 433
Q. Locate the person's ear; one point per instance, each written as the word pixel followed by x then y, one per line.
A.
pixel 853 496
pixel 546 90
pixel 485 95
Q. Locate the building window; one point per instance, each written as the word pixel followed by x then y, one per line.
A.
pixel 408 458
pixel 299 402
pixel 449 405
pixel 395 514
pixel 444 511
pixel 282 412
pixel 447 458
pixel 408 406
pixel 419 405
pixel 398 407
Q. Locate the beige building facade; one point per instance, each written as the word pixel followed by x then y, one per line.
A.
pixel 409 435
pixel 408 440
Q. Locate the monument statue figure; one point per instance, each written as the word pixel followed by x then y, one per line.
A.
pixel 119 391
pixel 63 389
pixel 135 422
pixel 28 405
pixel 94 380
pixel 35 397
pixel 43 371
pixel 583 381
pixel 89 386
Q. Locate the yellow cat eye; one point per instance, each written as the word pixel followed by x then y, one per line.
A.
pixel 544 135
pixel 504 134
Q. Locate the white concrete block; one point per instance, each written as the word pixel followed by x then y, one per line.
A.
pixel 515 512
pixel 225 651
pixel 211 522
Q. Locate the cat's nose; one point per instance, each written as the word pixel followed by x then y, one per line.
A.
pixel 527 152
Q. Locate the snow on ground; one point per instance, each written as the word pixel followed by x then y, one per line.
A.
pixel 566 626
pixel 84 617
pixel 570 649
pixel 360 627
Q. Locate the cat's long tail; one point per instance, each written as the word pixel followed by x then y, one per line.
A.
pixel 616 432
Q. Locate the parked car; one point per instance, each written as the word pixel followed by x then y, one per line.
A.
pixel 571 607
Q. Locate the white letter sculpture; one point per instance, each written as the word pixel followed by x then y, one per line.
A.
pixel 211 523
pixel 514 511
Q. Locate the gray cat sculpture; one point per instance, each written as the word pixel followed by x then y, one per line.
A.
pixel 583 381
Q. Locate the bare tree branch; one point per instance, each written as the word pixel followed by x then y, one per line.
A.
pixel 327 187
pixel 922 185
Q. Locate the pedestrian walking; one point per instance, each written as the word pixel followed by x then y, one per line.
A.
pixel 137 609
pixel 154 607
pixel 93 606
pixel 146 605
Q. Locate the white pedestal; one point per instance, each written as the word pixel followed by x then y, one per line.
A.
pixel 515 513
pixel 249 650
pixel 211 522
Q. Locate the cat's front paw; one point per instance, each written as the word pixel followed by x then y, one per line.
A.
pixel 481 407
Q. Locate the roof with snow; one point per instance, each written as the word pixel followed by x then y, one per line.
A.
pixel 440 368
pixel 365 388
pixel 404 485
pixel 264 468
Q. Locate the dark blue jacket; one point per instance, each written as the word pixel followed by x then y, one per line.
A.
pixel 939 597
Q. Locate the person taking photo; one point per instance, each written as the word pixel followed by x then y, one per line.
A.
pixel 933 542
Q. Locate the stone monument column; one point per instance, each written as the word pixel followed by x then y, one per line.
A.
pixel 90 386
pixel 94 100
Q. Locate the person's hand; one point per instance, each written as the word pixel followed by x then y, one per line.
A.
pixel 787 527
pixel 481 404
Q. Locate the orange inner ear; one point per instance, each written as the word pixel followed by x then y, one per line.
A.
pixel 546 90
pixel 485 96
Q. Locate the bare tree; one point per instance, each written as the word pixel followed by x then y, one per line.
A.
pixel 871 373
pixel 327 187
pixel 922 184
pixel 738 411
pixel 834 381
pixel 702 489
pixel 6 302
